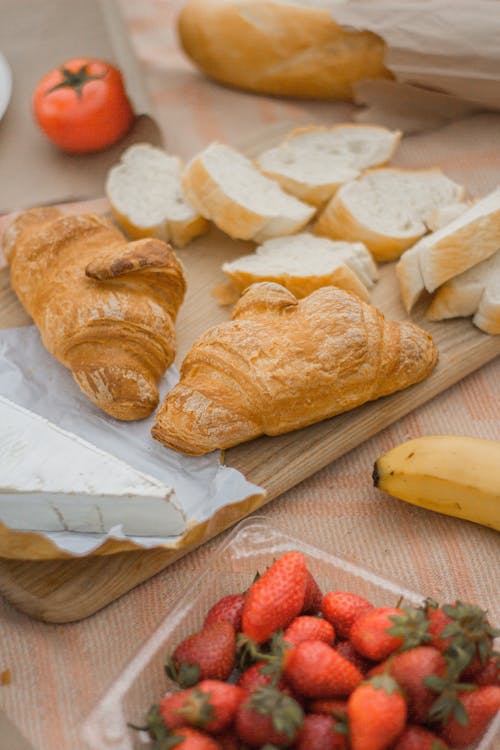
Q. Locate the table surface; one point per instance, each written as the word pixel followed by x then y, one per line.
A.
pixel 58 672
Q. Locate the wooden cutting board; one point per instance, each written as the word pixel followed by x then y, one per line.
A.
pixel 67 590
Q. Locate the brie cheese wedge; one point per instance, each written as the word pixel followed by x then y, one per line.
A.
pixel 52 480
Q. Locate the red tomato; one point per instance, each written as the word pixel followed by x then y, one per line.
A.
pixel 82 106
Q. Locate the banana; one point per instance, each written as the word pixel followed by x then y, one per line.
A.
pixel 455 475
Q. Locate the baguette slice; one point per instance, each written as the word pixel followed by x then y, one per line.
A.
pixel 147 198
pixel 463 243
pixel 469 293
pixel 488 313
pixel 304 263
pixel 227 188
pixel 313 162
pixel 386 209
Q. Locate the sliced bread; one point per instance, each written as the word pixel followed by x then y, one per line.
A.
pixel 313 162
pixel 387 209
pixel 227 188
pixel 147 198
pixel 463 295
pixel 303 263
pixel 488 313
pixel 466 241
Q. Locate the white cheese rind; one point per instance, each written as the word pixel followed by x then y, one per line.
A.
pixel 52 480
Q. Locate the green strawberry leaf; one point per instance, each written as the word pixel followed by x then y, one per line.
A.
pixel 412 626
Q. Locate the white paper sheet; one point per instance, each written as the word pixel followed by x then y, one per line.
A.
pixel 31 377
pixel 448 45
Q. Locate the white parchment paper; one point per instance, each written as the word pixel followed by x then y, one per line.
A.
pixel 31 377
pixel 449 45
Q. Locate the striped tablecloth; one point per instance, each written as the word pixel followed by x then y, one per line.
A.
pixel 58 672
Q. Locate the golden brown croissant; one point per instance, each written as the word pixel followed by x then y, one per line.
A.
pixel 281 364
pixel 105 308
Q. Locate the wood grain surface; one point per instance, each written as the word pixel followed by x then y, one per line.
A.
pixel 68 590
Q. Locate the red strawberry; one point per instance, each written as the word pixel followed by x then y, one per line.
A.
pixel 490 673
pixel 312 597
pixel 268 716
pixel 328 706
pixel 341 608
pixel 463 631
pixel 210 706
pixel 481 706
pixel 369 634
pixel 318 733
pixel 252 678
pixel 276 597
pixel 409 669
pixel 347 650
pixel 418 738
pixel 208 654
pixel 316 670
pixel 307 628
pixel 228 609
pixel 229 740
pixel 377 714
pixel 192 739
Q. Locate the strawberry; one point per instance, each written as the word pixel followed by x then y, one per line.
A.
pixel 312 597
pixel 418 738
pixel 186 738
pixel 276 597
pixel 307 628
pixel 268 716
pixel 347 650
pixel 463 632
pixel 376 711
pixel 490 673
pixel 318 733
pixel 341 608
pixel 229 740
pixel 410 669
pixel 228 609
pixel 315 670
pixel 466 726
pixel 208 654
pixel 182 737
pixel 253 677
pixel 335 707
pixel 369 634
pixel 210 706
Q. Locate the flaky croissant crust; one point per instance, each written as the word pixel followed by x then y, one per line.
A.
pixel 281 364
pixel 105 308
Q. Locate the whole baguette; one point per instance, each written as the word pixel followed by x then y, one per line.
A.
pixel 105 308
pixel 280 48
pixel 281 364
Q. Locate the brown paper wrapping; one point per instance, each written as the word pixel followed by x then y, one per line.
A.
pixel 444 55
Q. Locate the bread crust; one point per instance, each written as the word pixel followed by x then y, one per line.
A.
pixel 281 364
pixel 279 49
pixel 105 308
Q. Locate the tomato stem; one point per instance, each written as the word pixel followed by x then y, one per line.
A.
pixel 74 80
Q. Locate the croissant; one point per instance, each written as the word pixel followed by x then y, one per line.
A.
pixel 281 364
pixel 105 308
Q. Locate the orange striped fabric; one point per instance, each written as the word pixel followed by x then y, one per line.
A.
pixel 58 672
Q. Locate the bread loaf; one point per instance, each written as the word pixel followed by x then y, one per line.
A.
pixel 282 47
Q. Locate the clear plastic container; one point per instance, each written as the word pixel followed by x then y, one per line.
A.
pixel 251 547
